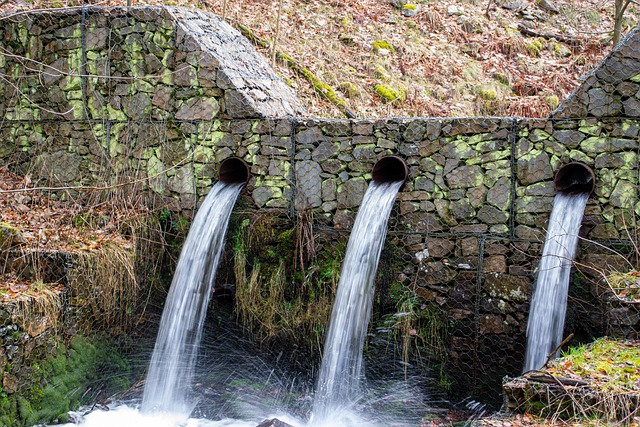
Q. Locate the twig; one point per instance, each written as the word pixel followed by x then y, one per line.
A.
pixel 553 353
pixel 568 40
pixel 275 37
pixel 544 377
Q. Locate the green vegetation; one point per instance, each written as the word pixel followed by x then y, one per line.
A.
pixel 626 285
pixel 391 95
pixel 534 48
pixel 421 329
pixel 595 383
pixel 379 45
pixel 60 383
pixel 350 89
pixel 279 302
pixel 613 365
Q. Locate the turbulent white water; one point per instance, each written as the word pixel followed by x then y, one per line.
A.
pixel 173 361
pixel 339 383
pixel 127 416
pixel 549 303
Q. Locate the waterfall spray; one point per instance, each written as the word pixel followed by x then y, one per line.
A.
pixel 339 383
pixel 174 356
pixel 574 183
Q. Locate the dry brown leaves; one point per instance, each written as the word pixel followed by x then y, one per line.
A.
pixel 441 59
pixel 48 224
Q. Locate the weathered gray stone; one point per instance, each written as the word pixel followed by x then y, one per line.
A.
pixel 494 264
pixel 603 104
pixel 465 177
pixel 60 166
pixel 492 215
pixel 365 153
pixel 422 222
pixel 261 195
pixel 311 136
pixel 350 193
pixel 309 184
pixel 626 160
pixel 534 167
pixel 183 182
pixel 500 194
pixel 324 151
pixel 198 109
pixel 462 209
pixel 632 107
pixel 624 194
pixel 569 138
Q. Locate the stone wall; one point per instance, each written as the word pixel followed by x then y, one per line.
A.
pixel 132 98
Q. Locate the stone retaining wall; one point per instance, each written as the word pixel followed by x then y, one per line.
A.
pixel 151 100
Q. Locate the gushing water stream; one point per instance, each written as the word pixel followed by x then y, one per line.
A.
pixel 173 361
pixel 549 303
pixel 339 384
pixel 340 399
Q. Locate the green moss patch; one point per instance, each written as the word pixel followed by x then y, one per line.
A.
pixel 382 45
pixel 596 381
pixel 389 94
pixel 611 365
pixel 63 382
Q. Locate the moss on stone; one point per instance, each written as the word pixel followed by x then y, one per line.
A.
pixel 389 94
pixel 534 48
pixel 350 89
pixel 487 92
pixel 58 384
pixel 322 88
pixel 561 50
pixel 552 100
pixel 380 72
pixel 379 45
pixel 501 77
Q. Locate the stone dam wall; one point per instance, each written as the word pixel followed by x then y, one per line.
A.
pixel 153 99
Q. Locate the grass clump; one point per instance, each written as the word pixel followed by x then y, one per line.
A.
pixel 612 365
pixel 278 303
pixel 535 47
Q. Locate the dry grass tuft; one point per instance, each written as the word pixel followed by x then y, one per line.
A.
pixel 104 288
pixel 37 308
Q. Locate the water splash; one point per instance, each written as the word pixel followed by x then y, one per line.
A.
pixel 173 361
pixel 339 383
pixel 129 416
pixel 549 303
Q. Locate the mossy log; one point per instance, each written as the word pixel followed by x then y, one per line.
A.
pixel 566 399
pixel 324 89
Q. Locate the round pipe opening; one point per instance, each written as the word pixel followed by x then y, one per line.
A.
pixel 234 171
pixel 574 177
pixel 390 169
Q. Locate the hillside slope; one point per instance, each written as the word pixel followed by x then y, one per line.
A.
pixel 433 58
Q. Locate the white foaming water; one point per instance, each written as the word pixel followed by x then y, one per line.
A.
pixel 173 361
pixel 127 416
pixel 339 383
pixel 549 303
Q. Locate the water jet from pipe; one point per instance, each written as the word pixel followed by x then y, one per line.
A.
pixel 574 182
